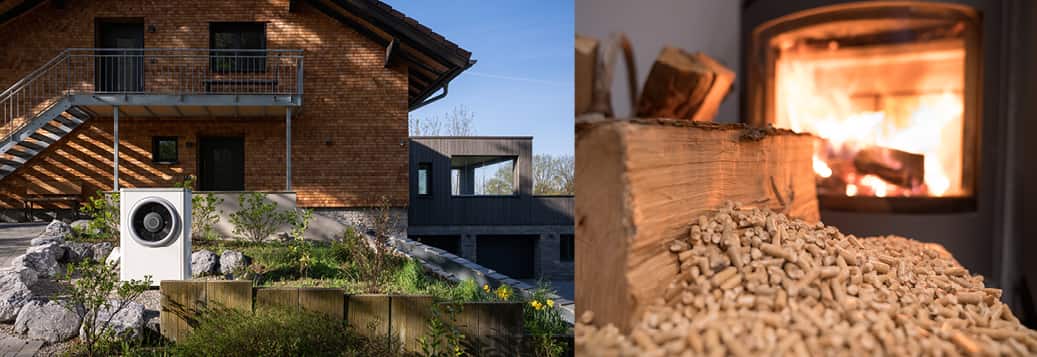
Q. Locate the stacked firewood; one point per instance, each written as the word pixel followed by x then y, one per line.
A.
pixel 680 85
pixel 753 282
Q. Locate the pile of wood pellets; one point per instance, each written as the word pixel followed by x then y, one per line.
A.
pixel 754 282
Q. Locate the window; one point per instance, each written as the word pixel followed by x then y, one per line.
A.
pixel 164 150
pixel 424 179
pixel 567 251
pixel 483 176
pixel 238 36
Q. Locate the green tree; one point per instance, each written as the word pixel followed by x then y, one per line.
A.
pixel 502 182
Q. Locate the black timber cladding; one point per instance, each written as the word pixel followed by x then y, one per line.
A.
pixel 443 209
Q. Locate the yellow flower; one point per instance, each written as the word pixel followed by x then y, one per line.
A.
pixel 550 303
pixel 535 304
pixel 486 287
pixel 503 292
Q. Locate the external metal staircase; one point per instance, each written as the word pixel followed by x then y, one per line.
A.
pixel 35 113
pixel 55 99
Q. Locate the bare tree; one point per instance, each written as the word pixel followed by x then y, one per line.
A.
pixel 458 122
pixel 425 127
pixel 553 175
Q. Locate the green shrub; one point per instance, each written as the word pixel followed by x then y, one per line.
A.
pixel 468 290
pixel 205 216
pixel 410 278
pixel 444 338
pixel 257 218
pixel 98 287
pixel 276 332
pixel 300 220
pixel 544 323
pixel 103 210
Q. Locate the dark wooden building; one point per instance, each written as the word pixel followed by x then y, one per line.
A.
pixel 473 196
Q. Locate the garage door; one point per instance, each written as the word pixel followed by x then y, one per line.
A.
pixel 508 255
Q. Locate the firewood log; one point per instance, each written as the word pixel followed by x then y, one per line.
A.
pixel 586 64
pixel 642 181
pixel 681 85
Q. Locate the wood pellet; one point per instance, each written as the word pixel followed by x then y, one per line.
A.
pixel 753 282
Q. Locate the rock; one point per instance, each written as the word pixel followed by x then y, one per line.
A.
pixel 152 321
pixel 76 251
pixel 21 273
pixel 14 291
pixel 47 321
pixel 204 262
pixel 58 229
pixel 102 250
pixel 233 262
pixel 45 239
pixel 127 324
pixel 113 257
pixel 42 258
pixel 81 225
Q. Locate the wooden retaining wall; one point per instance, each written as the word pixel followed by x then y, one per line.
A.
pixel 490 328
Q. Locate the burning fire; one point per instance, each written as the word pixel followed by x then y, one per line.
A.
pixel 881 114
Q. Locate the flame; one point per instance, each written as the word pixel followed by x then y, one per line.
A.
pixel 905 99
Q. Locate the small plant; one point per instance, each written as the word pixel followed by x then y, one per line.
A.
pixel 504 292
pixel 98 287
pixel 257 218
pixel 410 278
pixel 443 338
pixel 370 259
pixel 300 221
pixel 204 212
pixel 544 323
pixel 205 215
pixel 103 210
pixel 299 250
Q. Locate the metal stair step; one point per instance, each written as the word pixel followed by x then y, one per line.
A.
pixel 45 137
pixel 12 161
pixel 69 122
pixel 33 145
pixel 57 128
pixel 22 152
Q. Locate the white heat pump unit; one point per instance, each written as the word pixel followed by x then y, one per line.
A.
pixel 155 234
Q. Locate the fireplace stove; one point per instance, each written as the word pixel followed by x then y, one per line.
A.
pixel 917 104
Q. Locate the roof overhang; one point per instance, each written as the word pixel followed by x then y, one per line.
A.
pixel 432 60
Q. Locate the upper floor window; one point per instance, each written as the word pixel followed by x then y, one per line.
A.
pixel 250 36
pixel 483 175
pixel 424 179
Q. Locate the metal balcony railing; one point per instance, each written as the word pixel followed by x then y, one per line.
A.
pixel 150 71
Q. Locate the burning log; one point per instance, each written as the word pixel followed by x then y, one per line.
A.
pixel 898 167
pixel 682 85
pixel 641 181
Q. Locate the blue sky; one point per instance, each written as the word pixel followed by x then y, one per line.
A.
pixel 523 82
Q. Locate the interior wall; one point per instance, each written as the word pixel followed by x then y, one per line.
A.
pixel 708 26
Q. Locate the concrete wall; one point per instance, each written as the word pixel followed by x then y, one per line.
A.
pixel 708 26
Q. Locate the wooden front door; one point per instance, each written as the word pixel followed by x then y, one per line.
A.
pixel 122 70
pixel 221 164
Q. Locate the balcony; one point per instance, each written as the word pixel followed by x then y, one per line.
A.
pixel 159 82
pixel 83 83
